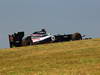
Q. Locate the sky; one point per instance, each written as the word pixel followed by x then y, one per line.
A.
pixel 56 16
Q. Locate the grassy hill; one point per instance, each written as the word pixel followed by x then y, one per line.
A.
pixel 67 58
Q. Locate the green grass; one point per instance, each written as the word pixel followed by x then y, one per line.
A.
pixel 67 58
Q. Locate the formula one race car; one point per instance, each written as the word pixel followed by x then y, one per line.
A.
pixel 40 37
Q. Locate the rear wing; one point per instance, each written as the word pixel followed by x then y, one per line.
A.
pixel 15 40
